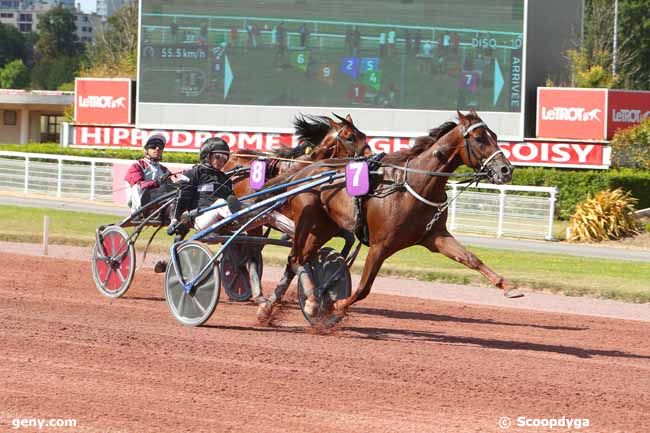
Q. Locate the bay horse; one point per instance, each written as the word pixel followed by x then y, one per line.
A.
pixel 409 207
pixel 320 138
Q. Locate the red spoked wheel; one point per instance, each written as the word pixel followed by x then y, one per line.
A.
pixel 235 278
pixel 114 263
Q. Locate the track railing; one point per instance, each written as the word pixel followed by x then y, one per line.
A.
pixel 496 210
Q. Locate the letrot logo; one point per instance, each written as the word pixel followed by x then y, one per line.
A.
pixel 102 102
pixel 629 116
pixel 572 114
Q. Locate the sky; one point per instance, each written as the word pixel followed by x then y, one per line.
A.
pixel 88 5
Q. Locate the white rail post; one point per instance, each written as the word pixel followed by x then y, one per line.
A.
pixel 59 178
pixel 551 214
pixel 26 175
pixel 93 167
pixel 46 233
pixel 452 211
pixel 502 211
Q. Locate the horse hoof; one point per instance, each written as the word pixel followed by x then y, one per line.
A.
pixel 513 293
pixel 160 266
pixel 264 310
pixel 310 308
pixel 339 307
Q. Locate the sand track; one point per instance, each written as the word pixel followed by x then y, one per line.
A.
pixel 396 364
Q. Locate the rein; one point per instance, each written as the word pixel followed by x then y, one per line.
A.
pixel 268 156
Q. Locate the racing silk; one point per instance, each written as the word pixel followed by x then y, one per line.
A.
pixel 200 187
pixel 145 173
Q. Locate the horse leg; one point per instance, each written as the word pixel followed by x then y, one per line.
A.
pixel 313 242
pixel 446 244
pixel 374 260
pixel 348 237
pixel 254 279
pixel 265 306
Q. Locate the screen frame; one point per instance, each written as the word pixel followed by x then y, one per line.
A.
pixel 362 116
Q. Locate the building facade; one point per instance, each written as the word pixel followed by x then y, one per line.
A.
pixel 24 15
pixel 106 8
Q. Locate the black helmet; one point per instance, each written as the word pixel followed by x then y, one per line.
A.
pixel 155 141
pixel 213 145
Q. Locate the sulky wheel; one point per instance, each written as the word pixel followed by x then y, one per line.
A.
pixel 332 282
pixel 113 267
pixel 195 307
pixel 235 277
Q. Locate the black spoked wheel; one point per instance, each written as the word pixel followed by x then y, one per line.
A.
pixel 195 307
pixel 235 278
pixel 332 282
pixel 113 268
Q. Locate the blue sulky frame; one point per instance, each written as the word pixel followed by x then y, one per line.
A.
pixel 268 205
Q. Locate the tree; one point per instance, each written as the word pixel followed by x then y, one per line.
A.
pixel 634 53
pixel 12 44
pixel 591 62
pixel 114 52
pixel 57 35
pixel 14 75
pixel 50 74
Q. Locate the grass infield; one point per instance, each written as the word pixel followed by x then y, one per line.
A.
pixel 570 275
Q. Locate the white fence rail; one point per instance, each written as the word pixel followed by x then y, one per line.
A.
pixel 497 210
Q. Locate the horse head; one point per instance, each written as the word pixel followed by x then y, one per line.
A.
pixel 345 140
pixel 480 150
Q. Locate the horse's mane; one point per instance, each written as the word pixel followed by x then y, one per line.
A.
pixel 422 143
pixel 311 129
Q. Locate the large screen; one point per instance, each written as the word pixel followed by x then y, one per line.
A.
pixel 341 54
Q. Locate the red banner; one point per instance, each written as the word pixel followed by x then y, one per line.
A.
pixel 626 108
pixel 103 101
pixel 576 114
pixel 533 152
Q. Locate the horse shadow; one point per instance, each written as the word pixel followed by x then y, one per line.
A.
pixel 410 336
pixel 392 334
pixel 145 298
pixel 430 317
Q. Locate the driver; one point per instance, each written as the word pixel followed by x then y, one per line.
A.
pixel 147 176
pixel 205 185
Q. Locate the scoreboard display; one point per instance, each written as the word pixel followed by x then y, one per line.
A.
pixel 345 55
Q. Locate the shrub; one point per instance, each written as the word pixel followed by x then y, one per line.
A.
pixel 631 147
pixel 575 186
pixel 609 215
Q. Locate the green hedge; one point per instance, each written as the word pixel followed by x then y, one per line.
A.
pixel 55 149
pixel 575 185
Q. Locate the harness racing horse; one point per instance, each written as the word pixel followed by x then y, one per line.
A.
pixel 408 207
pixel 321 138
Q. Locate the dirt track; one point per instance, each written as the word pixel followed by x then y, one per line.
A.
pixel 396 364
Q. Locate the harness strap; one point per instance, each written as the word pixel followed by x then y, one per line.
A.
pixel 419 197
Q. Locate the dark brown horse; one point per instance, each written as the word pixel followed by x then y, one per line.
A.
pixel 409 207
pixel 320 138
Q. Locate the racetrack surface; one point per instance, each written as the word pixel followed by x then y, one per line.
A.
pixel 396 364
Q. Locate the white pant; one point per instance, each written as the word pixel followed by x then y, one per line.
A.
pixel 275 219
pixel 205 220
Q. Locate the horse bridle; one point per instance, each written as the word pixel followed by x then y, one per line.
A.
pixel 468 148
pixel 348 143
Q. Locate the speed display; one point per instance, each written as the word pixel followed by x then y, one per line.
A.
pixel 369 54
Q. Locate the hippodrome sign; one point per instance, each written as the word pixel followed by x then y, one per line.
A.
pixel 547 153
